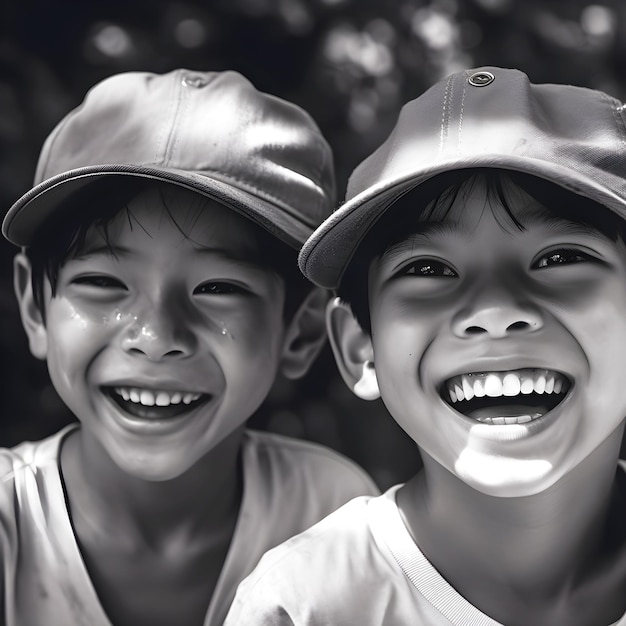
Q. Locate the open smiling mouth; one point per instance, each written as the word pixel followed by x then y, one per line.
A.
pixel 155 404
pixel 511 397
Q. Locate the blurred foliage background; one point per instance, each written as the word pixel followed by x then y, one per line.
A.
pixel 350 63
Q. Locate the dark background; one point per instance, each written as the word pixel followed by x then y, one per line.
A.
pixel 350 63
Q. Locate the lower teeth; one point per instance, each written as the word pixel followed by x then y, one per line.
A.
pixel 502 421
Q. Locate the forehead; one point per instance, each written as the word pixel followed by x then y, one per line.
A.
pixel 171 216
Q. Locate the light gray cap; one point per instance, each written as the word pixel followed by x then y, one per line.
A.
pixel 487 117
pixel 211 132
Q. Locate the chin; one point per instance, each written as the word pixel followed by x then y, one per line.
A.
pixel 504 477
pixel 151 470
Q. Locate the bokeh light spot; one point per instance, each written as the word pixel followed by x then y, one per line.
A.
pixel 190 33
pixel 598 21
pixel 112 40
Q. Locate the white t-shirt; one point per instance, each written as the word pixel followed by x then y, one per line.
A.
pixel 288 486
pixel 357 567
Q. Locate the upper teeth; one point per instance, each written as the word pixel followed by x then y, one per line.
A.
pixel 512 383
pixel 148 397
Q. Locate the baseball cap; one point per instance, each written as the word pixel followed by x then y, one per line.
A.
pixel 486 117
pixel 211 132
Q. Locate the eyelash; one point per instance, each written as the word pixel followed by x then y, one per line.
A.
pixel 101 282
pixel 570 256
pixel 429 268
pixel 432 268
pixel 218 289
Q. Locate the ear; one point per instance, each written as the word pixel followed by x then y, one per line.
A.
pixel 353 351
pixel 32 318
pixel 305 335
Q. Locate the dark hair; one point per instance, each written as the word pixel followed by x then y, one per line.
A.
pixel 63 237
pixel 418 206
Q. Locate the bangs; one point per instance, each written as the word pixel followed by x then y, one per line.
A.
pixel 428 205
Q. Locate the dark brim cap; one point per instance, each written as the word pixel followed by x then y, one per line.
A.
pixel 483 118
pixel 210 132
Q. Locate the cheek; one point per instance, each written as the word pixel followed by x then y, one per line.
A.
pixel 74 339
pixel 605 347
pixel 400 342
pixel 598 323
pixel 251 341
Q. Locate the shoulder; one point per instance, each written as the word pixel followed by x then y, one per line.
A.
pixel 305 569
pixel 295 459
pixel 24 466
pixel 23 472
pixel 30 454
pixel 29 482
pixel 339 532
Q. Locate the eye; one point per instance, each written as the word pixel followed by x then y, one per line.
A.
pixel 429 268
pixel 219 289
pixel 562 256
pixel 99 281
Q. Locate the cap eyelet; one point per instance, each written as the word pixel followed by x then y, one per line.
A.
pixel 481 79
pixel 194 81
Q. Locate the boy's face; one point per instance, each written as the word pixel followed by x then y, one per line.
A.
pixel 165 349
pixel 532 320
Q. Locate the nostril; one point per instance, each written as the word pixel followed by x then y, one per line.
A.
pixel 174 353
pixel 154 354
pixel 475 330
pixel 518 326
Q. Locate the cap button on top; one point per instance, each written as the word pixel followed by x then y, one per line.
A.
pixel 194 81
pixel 481 79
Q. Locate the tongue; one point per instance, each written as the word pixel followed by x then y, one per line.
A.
pixel 507 410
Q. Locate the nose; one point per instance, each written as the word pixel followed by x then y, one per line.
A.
pixel 158 333
pixel 496 317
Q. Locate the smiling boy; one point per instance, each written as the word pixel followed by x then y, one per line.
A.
pixel 480 263
pixel 158 280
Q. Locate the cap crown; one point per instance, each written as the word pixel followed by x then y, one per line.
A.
pixel 209 131
pixel 489 117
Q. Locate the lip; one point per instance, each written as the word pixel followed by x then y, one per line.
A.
pixel 156 383
pixel 156 420
pixel 507 360
pixel 495 397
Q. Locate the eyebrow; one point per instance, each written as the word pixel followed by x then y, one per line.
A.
pixel 553 222
pixel 227 255
pixel 422 235
pixel 122 251
pixel 103 250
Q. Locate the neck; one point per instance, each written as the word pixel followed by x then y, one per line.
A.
pixel 531 549
pixel 205 497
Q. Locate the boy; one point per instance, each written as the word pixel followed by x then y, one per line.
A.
pixel 156 281
pixel 480 259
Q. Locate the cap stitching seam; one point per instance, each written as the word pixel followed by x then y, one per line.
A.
pixel 164 137
pixel 462 109
pixel 445 114
pixel 182 101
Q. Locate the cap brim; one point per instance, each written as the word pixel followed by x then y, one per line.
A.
pixel 34 208
pixel 326 254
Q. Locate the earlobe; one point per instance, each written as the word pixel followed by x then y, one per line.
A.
pixel 366 387
pixel 306 335
pixel 32 318
pixel 353 351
